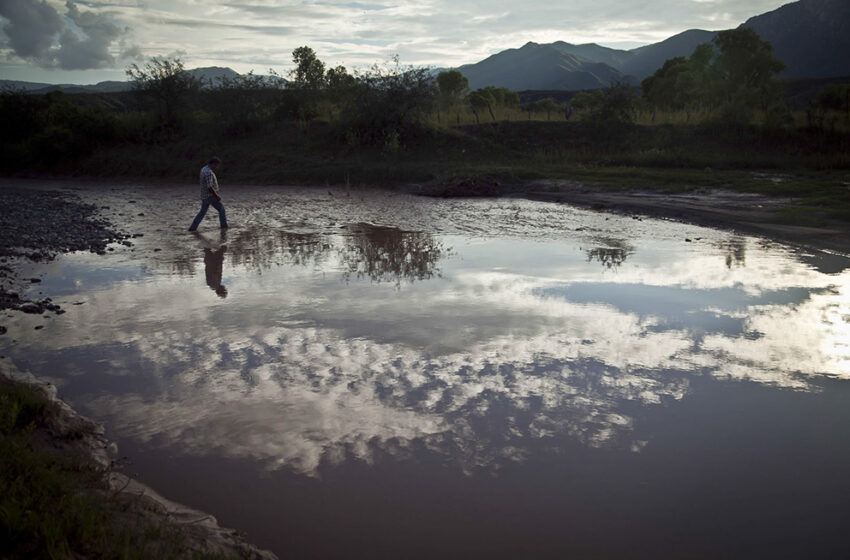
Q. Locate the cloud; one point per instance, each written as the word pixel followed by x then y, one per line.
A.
pixel 32 27
pixel 81 40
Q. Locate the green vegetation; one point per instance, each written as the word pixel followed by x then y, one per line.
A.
pixel 706 120
pixel 728 81
pixel 56 504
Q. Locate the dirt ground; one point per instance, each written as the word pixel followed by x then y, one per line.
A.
pixel 745 213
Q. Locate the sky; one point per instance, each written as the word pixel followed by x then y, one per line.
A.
pixel 87 41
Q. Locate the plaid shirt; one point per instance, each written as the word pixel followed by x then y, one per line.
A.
pixel 208 180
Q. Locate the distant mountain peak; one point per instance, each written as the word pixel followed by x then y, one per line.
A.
pixel 812 37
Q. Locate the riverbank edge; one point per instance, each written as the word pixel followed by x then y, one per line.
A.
pixel 752 215
pixel 746 213
pixel 201 531
pixel 737 212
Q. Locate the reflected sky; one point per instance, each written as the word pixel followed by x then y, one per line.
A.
pixel 303 345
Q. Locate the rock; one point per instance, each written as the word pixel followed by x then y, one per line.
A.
pixel 35 280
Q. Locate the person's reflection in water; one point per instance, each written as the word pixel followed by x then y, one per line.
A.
pixel 214 263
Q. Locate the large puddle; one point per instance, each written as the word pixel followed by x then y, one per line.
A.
pixel 367 374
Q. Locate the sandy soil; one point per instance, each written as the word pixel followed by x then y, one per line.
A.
pixel 746 213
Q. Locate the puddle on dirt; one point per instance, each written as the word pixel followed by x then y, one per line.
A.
pixel 386 375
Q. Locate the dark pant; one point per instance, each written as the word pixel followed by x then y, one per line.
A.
pixel 205 205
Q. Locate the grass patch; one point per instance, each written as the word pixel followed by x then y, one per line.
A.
pixel 57 504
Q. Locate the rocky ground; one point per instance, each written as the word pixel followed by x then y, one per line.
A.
pixel 37 226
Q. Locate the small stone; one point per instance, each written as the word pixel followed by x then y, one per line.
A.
pixel 39 327
pixel 2 331
pixel 35 280
pixel 30 308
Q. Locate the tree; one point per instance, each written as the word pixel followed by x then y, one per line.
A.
pixel 479 100
pixel 830 104
pixel 546 105
pixel 340 85
pixel 735 73
pixel 309 72
pixel 307 80
pixel 245 102
pixel 662 89
pixel 165 82
pixel 612 106
pixel 388 102
pixel 490 97
pixel 453 85
pixel 744 71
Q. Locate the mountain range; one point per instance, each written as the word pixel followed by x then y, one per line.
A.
pixel 812 38
pixel 209 75
pixel 563 66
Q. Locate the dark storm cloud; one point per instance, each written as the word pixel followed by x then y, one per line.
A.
pixel 81 40
pixel 31 28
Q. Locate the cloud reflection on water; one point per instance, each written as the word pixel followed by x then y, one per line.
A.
pixel 483 364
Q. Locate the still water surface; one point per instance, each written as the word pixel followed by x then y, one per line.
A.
pixel 374 375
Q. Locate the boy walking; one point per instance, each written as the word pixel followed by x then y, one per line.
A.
pixel 209 194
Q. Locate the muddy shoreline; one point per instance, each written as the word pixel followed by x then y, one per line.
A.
pixel 745 213
pixel 751 214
